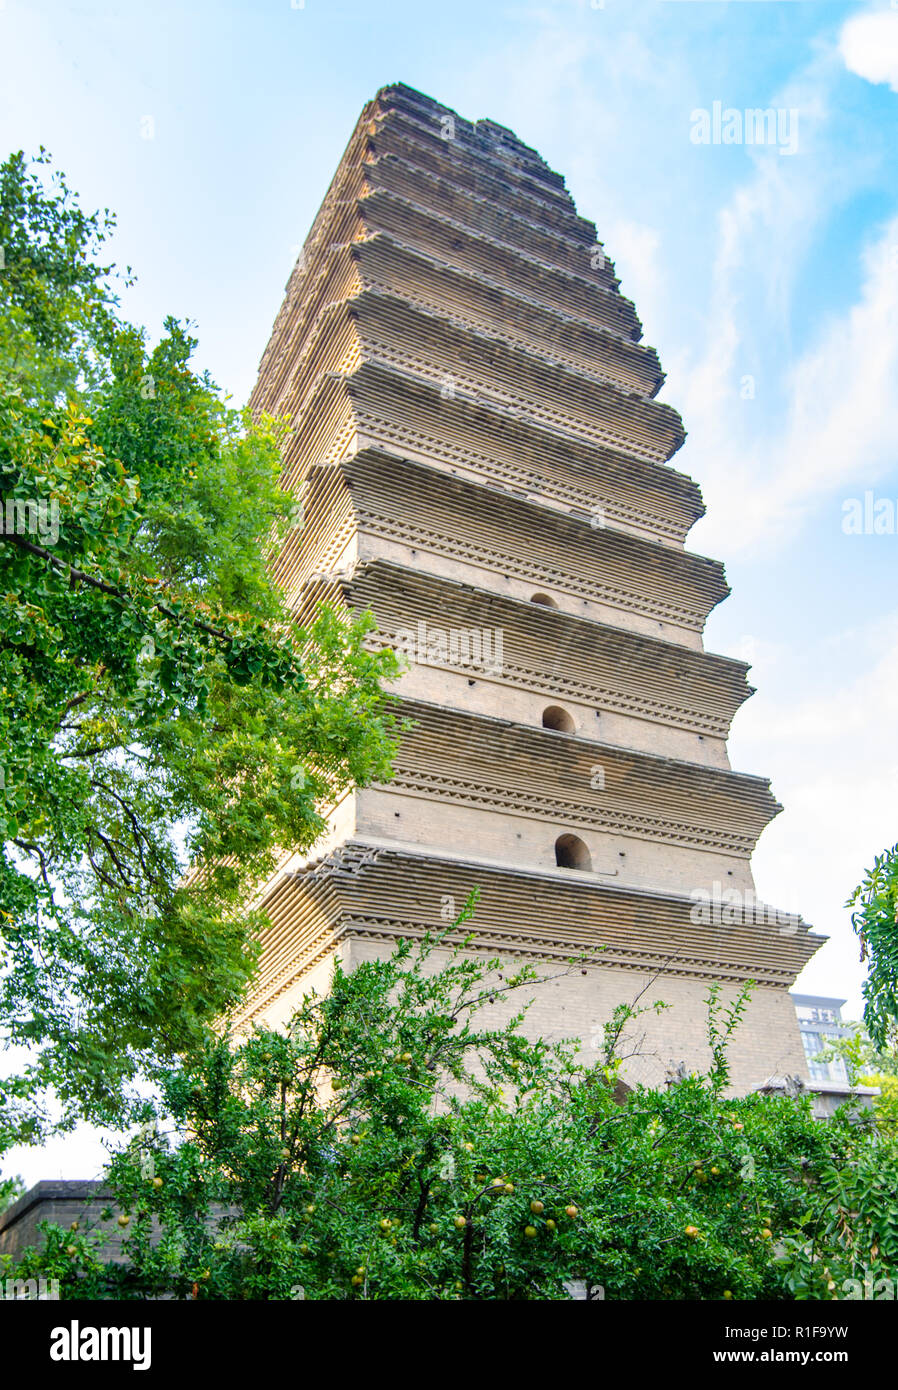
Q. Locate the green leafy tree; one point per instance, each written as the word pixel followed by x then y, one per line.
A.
pixel 11 1189
pixel 392 1143
pixel 167 732
pixel 875 919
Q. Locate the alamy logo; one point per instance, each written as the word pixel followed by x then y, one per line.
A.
pixel 77 1343
pixel 754 126
pixel 469 648
pixel 727 907
pixel 874 516
pixel 30 1290
pixel 19 515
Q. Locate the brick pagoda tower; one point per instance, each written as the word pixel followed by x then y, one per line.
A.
pixel 484 465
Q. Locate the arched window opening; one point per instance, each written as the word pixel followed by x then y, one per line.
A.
pixel 544 599
pixel 554 717
pixel 571 853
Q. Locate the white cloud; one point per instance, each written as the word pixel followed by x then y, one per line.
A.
pixel 840 421
pixel 837 776
pixel 868 44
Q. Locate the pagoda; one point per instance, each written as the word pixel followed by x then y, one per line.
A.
pixel 483 464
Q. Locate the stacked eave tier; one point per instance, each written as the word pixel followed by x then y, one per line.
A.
pixel 382 408
pixel 382 894
pixel 428 347
pixel 554 654
pixel 430 518
pixel 475 760
pixel 471 234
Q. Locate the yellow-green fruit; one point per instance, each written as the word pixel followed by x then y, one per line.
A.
pixel 220 1245
pixel 310 1208
pixel 692 1231
pixel 571 1211
pixel 74 1226
pixel 360 1269
pixel 715 1172
pixel 356 1280
pixel 385 1223
pixel 550 1224
pixel 469 1148
pixel 766 1234
pixel 728 1294
pixel 71 1250
pixel 157 1183
pixel 434 1227
pixel 460 1222
pixel 529 1232
pixel 537 1208
pixel 355 1139
pixel 509 1188
pixel 123 1219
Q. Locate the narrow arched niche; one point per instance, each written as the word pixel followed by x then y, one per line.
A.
pixel 554 717
pixel 544 599
pixel 571 853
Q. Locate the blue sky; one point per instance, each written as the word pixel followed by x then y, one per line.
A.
pixel 213 128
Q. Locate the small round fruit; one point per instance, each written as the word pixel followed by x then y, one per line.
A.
pixel 550 1224
pixel 715 1172
pixel 497 1182
pixel 124 1220
pixel 572 1211
pixel 469 1148
pixel 310 1208
pixel 537 1208
pixel 728 1294
pixel 71 1250
pixel 509 1188
pixel 692 1231
pixel 738 1127
pixel 433 1228
pixel 157 1183
pixel 459 1285
pixel 385 1223
pixel 74 1226
pixel 766 1234
pixel 360 1269
pixel 460 1222
pixel 530 1232
pixel 355 1139
pixel 357 1279
pixel 406 1057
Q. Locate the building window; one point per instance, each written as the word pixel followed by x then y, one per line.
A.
pixel 554 717
pixel 571 853
pixel 544 599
